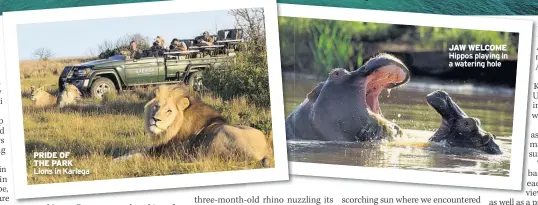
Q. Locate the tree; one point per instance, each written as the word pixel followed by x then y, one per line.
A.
pixel 252 22
pixel 43 53
pixel 248 74
pixel 109 48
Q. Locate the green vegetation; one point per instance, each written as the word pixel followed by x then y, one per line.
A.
pixel 247 76
pixel 319 45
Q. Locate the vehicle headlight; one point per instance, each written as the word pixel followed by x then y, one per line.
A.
pixel 83 71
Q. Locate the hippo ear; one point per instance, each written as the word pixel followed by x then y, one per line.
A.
pixel 183 103
pixel 312 95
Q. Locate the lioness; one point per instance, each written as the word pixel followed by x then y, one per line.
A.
pixel 41 98
pixel 177 120
pixel 69 96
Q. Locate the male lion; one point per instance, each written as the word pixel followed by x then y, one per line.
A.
pixel 178 121
pixel 41 98
pixel 69 96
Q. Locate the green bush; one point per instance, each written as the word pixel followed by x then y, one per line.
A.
pixel 316 46
pixel 247 77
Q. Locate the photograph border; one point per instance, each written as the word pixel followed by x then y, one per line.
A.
pixel 523 27
pixel 24 191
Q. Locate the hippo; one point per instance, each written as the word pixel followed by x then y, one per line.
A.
pixel 457 129
pixel 345 107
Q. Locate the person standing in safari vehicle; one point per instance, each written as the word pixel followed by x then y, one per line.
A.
pixel 158 47
pixel 159 43
pixel 207 40
pixel 134 51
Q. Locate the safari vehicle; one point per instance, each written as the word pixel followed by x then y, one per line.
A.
pixel 119 73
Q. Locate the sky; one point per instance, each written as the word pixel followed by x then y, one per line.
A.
pixel 78 38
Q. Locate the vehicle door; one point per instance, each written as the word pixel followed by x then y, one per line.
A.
pixel 176 66
pixel 161 70
pixel 141 71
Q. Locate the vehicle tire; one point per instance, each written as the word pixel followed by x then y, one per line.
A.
pixel 195 81
pixel 101 86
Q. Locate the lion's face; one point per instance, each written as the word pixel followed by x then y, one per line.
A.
pixel 165 111
pixel 70 94
pixel 37 93
pixel 163 114
pixel 73 92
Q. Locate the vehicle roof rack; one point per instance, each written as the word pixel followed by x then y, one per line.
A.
pixel 181 52
pixel 213 46
pixel 229 41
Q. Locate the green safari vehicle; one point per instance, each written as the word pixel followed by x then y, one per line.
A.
pixel 119 73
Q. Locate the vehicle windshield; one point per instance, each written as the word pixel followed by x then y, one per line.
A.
pixel 66 71
pixel 117 57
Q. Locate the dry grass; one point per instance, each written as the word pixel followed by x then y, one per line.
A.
pixel 45 68
pixel 99 130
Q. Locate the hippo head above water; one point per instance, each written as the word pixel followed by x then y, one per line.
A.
pixel 345 107
pixel 457 128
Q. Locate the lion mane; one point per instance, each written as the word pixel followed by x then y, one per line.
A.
pixel 189 124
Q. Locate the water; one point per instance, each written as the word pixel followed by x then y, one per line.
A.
pixel 453 7
pixel 407 107
pixel 18 5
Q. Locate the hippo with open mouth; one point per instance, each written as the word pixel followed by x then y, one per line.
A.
pixel 457 128
pixel 345 107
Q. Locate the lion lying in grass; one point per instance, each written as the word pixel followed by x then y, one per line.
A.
pixel 41 98
pixel 69 96
pixel 179 123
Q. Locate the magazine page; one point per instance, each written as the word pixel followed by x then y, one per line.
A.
pixel 268 102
